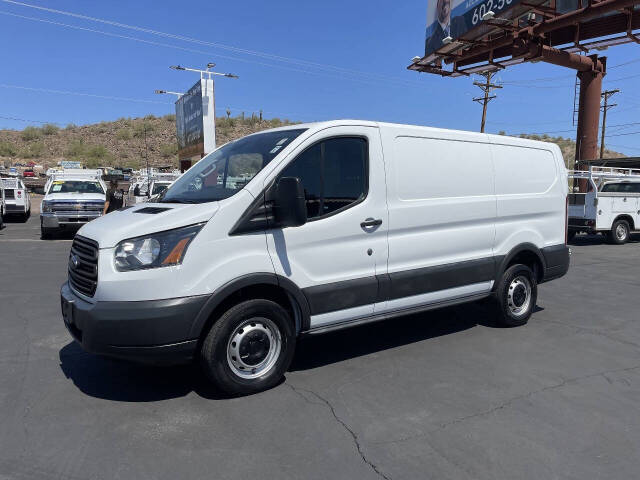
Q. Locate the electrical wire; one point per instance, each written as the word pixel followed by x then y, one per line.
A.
pixel 244 51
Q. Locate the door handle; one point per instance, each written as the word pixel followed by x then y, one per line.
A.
pixel 371 222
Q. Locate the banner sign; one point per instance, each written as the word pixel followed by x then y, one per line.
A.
pixel 195 121
pixel 454 18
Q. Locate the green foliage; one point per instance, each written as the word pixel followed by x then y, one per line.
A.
pixel 8 149
pixel 75 150
pixel 170 118
pixel 33 150
pixel 140 127
pixel 30 133
pixel 169 150
pixel 50 129
pixel 124 134
pixel 151 116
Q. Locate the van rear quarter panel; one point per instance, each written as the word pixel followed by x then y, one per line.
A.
pixel 531 191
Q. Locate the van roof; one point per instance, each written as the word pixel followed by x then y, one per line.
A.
pixel 368 123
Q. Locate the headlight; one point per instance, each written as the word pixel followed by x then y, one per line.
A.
pixel 156 250
pixel 46 206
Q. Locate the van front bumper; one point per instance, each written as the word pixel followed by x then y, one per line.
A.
pixel 153 331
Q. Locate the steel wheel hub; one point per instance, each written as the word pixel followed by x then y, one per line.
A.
pixel 621 232
pixel 519 295
pixel 254 347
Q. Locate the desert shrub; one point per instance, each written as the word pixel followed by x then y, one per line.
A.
pixel 76 149
pixel 170 118
pixel 50 129
pixel 124 134
pixel 139 129
pixel 8 149
pixel 168 150
pixel 31 133
pixel 33 150
pixel 71 126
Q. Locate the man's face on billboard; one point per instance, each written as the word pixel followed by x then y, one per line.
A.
pixel 443 10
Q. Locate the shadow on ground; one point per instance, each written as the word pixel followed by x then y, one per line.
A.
pixel 117 380
pixel 582 239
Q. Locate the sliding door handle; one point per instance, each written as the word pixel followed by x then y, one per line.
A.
pixel 371 222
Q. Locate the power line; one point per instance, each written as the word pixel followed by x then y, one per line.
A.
pixel 27 120
pixel 398 82
pixel 81 94
pixel 269 56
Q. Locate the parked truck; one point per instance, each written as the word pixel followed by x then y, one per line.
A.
pixel 611 205
pixel 72 198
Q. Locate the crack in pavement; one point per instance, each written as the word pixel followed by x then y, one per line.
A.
pixel 507 403
pixel 591 331
pixel 354 436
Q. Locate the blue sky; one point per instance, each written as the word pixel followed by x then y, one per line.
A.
pixel 344 59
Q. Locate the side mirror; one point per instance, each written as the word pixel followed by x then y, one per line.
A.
pixel 290 209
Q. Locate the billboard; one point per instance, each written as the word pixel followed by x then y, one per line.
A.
pixel 195 121
pixel 455 18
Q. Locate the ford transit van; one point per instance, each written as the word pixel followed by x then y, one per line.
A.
pixel 312 228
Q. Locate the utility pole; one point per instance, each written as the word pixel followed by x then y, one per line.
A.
pixel 486 87
pixel 606 106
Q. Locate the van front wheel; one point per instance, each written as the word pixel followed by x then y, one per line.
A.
pixel 249 348
pixel 516 296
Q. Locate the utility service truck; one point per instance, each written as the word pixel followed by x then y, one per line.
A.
pixel 17 200
pixel 72 198
pixel 611 205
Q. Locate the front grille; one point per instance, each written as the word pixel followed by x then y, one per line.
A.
pixel 83 272
pixel 9 193
pixel 76 207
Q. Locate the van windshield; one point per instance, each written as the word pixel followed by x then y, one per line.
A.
pixel 227 170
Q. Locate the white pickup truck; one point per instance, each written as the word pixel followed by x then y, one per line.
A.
pixel 72 198
pixel 611 205
pixel 16 198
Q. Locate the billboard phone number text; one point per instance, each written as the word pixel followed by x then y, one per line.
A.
pixel 489 5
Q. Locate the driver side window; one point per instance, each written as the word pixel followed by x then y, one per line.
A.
pixel 333 174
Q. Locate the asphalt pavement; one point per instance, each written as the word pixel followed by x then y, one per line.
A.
pixel 440 395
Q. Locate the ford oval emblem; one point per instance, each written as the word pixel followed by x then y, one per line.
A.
pixel 75 261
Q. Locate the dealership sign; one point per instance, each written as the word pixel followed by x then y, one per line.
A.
pixel 195 121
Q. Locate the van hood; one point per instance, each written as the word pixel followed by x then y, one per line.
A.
pixel 74 197
pixel 143 219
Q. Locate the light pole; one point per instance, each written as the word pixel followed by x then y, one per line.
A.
pixel 167 92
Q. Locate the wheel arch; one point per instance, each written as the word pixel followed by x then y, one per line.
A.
pixel 526 254
pixel 259 285
pixel 627 218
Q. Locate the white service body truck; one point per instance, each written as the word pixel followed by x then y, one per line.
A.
pixel 17 198
pixel 610 206
pixel 72 198
pixel 312 228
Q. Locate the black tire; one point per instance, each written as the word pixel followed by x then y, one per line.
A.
pixel 571 234
pixel 26 215
pixel 45 233
pixel 620 232
pixel 512 309
pixel 216 354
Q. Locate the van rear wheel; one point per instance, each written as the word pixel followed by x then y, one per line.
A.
pixel 249 348
pixel 516 296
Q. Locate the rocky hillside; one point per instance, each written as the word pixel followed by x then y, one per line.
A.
pixel 567 146
pixel 125 141
pixel 119 143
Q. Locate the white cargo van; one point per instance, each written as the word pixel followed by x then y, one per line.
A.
pixel 322 226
